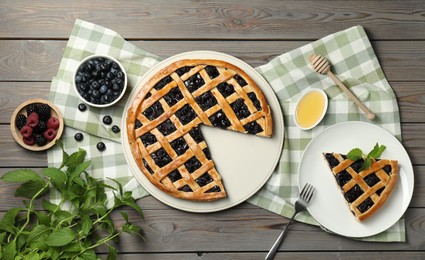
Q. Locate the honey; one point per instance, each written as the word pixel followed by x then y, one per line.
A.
pixel 310 109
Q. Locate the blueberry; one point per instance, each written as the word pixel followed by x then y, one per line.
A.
pixel 82 107
pixel 116 129
pixel 101 146
pixel 107 120
pixel 103 89
pixel 78 137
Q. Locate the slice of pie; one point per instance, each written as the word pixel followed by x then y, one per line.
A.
pixel 367 190
pixel 163 123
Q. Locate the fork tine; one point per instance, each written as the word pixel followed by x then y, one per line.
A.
pixel 310 193
pixel 304 190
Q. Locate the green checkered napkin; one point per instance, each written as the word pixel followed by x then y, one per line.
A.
pixel 353 61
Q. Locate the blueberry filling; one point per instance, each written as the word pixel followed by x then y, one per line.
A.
pixel 255 100
pixel 161 157
pixel 145 163
pixel 179 145
pixel 207 153
pixel 167 127
pixel 214 189
pixel 183 70
pixel 342 178
pixel 380 191
pixel 387 169
pixel 174 96
pixel 253 128
pixel 204 179
pixel 365 205
pixel 332 161
pixel 163 82
pixel 174 175
pixel 186 188
pixel 353 193
pixel 219 119
pixel 357 165
pixel 371 179
pixel 138 124
pixel 206 100
pixel 194 82
pixel 196 134
pixel 212 72
pixel 186 114
pixel 154 111
pixel 148 139
pixel 226 89
pixel 240 109
pixel 192 164
pixel 240 80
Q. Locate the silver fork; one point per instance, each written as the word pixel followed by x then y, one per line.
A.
pixel 300 205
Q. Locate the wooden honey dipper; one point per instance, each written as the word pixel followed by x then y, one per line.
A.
pixel 321 65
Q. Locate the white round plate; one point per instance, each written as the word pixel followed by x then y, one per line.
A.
pixel 245 162
pixel 328 206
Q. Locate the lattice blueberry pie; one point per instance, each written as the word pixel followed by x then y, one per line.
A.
pixel 367 190
pixel 163 123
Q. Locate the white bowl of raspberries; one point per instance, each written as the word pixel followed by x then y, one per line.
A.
pixel 36 124
pixel 100 80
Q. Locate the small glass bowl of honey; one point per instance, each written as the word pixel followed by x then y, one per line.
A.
pixel 310 108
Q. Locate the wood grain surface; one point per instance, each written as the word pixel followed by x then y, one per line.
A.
pixel 33 36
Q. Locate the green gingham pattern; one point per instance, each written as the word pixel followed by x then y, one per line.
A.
pixel 289 75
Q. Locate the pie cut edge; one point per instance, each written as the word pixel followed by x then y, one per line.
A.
pixel 147 95
pixel 366 191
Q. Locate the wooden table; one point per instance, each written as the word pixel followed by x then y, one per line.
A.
pixel 33 35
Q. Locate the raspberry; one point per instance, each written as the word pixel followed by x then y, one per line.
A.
pixel 29 140
pixel 20 121
pixel 26 131
pixel 31 108
pixel 44 112
pixel 32 120
pixel 53 122
pixel 50 134
pixel 40 128
pixel 40 140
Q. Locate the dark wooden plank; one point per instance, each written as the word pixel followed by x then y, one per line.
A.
pixel 252 230
pixel 257 19
pixel 316 255
pixel 35 60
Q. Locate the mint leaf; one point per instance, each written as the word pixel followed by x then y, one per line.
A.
pixel 376 151
pixel 366 164
pixel 355 154
pixel 60 237
pixel 32 188
pixel 21 176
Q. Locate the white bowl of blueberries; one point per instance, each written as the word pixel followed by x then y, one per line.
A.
pixel 100 80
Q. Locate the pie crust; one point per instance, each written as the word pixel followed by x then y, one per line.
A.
pixel 364 191
pixel 163 123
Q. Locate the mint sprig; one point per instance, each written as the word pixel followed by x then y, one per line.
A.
pixel 56 232
pixel 357 154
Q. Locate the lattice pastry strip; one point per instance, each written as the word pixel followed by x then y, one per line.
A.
pixel 367 190
pixel 163 120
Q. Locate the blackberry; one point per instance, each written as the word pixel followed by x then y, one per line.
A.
pixel 20 121
pixel 44 112
pixel 41 127
pixel 40 140
pixel 31 108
